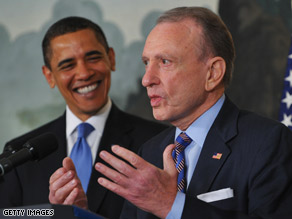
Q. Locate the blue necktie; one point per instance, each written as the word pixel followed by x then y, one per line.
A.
pixel 81 154
pixel 181 142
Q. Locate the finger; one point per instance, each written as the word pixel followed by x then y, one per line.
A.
pixel 112 174
pixel 117 163
pixel 57 174
pixel 68 164
pixel 129 156
pixel 112 187
pixel 168 162
pixel 62 193
pixel 62 181
pixel 77 197
pixel 71 197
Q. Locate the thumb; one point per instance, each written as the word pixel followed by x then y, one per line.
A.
pixel 168 163
pixel 68 164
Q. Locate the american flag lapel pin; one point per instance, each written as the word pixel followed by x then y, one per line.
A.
pixel 217 156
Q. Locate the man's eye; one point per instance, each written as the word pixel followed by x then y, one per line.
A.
pixel 165 61
pixel 66 67
pixel 145 62
pixel 94 58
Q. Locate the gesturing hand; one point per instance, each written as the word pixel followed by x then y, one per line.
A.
pixel 65 186
pixel 146 186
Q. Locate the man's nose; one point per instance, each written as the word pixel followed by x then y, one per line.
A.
pixel 151 76
pixel 83 72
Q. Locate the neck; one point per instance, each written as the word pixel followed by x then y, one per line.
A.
pixel 186 120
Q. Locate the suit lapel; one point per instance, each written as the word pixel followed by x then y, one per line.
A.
pixel 164 140
pixel 52 162
pixel 223 129
pixel 115 132
pixel 168 139
pixel 208 167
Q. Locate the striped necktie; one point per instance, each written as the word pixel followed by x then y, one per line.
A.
pixel 181 142
pixel 81 154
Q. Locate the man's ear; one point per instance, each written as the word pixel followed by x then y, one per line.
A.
pixel 49 76
pixel 112 58
pixel 216 72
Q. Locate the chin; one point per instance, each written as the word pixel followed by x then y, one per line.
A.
pixel 92 106
pixel 90 110
pixel 160 116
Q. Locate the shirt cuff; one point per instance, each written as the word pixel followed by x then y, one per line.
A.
pixel 177 206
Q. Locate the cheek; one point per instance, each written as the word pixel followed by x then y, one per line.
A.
pixel 64 80
pixel 106 74
pixel 102 66
pixel 107 83
pixel 177 90
pixel 186 91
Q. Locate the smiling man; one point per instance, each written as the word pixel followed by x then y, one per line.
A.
pixel 78 61
pixel 80 67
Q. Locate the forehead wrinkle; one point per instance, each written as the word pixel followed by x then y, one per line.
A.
pixel 190 39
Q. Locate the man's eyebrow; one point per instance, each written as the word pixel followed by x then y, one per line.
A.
pixel 159 56
pixel 94 52
pixel 64 62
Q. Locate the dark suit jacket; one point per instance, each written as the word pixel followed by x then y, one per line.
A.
pixel 29 183
pixel 256 163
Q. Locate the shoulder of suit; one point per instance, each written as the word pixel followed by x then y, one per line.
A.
pixel 20 140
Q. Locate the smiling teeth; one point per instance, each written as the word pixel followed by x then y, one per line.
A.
pixel 87 89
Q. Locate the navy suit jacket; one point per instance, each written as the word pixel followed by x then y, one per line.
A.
pixel 28 184
pixel 256 163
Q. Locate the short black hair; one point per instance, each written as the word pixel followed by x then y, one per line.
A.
pixel 70 25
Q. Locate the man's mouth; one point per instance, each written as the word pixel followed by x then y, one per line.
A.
pixel 155 100
pixel 87 89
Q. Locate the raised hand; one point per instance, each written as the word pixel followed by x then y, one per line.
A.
pixel 65 186
pixel 146 186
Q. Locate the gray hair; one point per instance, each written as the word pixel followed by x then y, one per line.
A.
pixel 216 39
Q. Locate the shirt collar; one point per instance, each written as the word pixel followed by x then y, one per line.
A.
pixel 97 121
pixel 199 129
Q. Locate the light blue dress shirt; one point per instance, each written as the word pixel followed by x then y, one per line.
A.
pixel 198 131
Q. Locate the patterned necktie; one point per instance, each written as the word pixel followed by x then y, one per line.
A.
pixel 81 154
pixel 182 141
